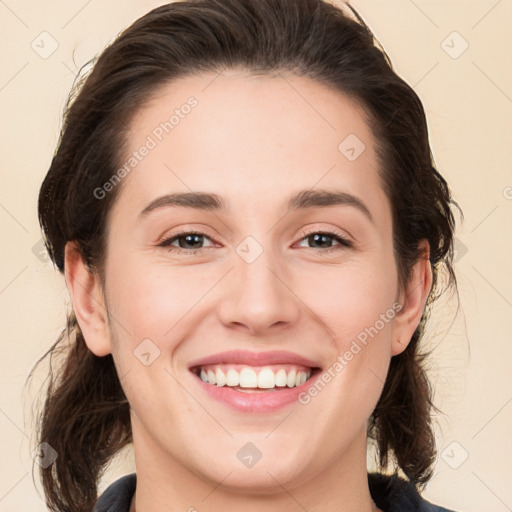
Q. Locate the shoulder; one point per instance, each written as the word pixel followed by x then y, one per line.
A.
pixel 394 494
pixel 118 495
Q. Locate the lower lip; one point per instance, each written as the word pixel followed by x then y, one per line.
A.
pixel 266 401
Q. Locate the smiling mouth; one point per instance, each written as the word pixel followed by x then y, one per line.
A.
pixel 255 379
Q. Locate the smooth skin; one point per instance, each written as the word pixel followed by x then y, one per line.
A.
pixel 254 140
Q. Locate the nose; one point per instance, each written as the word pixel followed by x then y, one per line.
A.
pixel 259 297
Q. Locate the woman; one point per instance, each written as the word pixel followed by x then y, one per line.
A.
pixel 244 206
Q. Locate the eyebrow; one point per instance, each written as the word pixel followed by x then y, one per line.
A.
pixel 299 201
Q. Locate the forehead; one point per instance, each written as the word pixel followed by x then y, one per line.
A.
pixel 281 108
pixel 243 136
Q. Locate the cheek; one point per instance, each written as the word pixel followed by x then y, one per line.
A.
pixel 152 311
pixel 159 300
pixel 351 298
pixel 348 306
pixel 151 299
pixel 357 306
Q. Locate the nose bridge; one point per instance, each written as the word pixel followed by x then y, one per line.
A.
pixel 258 297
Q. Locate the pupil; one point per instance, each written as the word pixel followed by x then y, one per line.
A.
pixel 318 238
pixel 189 240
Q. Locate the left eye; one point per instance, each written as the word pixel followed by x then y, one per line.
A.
pixel 322 237
pixel 193 241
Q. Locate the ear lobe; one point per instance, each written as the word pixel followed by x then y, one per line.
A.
pixel 413 300
pixel 86 293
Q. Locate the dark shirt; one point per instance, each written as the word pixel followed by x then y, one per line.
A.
pixel 391 494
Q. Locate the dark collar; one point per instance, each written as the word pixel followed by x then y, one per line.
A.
pixel 390 493
pixel 394 494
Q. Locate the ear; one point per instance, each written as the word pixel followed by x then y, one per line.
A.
pixel 86 293
pixel 413 300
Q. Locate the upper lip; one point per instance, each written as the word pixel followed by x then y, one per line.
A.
pixel 255 358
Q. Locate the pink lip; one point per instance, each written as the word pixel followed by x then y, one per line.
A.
pixel 258 402
pixel 255 358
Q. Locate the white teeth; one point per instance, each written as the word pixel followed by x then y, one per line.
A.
pixel 266 379
pixel 248 378
pixel 291 379
pixel 232 378
pixel 211 377
pixel 220 377
pixel 281 378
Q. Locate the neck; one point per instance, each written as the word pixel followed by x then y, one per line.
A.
pixel 165 483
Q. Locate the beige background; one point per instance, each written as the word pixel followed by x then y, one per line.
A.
pixel 468 99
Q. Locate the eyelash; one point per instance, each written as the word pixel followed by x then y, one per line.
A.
pixel 344 242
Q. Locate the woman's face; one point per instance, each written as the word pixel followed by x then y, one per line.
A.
pixel 255 279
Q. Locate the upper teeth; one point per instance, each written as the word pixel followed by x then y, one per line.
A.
pixel 246 376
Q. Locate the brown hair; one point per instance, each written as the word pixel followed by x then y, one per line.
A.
pixel 86 414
